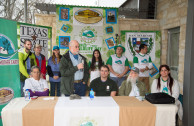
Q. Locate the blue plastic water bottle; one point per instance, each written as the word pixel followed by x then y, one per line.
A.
pixel 27 95
pixel 91 94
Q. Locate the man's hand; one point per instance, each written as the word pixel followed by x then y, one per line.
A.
pixel 84 82
pixel 45 89
pixel 116 74
pixel 120 76
pixel 41 75
pixel 142 70
pixel 146 68
pixel 55 77
pixel 80 66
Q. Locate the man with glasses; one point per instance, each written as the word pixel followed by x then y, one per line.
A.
pixel 40 60
pixel 103 85
pixel 74 71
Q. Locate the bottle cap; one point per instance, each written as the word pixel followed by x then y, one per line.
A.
pixel 91 89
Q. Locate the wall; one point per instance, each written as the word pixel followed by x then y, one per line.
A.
pixel 47 20
pixel 138 24
pixel 172 14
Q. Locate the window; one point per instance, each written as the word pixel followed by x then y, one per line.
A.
pixel 173 51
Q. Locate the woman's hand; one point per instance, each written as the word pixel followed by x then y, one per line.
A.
pixel 55 77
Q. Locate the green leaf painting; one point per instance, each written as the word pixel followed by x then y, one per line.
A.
pixel 110 52
pixel 122 37
pixel 157 53
pixel 131 63
pixel 69 29
pixel 57 40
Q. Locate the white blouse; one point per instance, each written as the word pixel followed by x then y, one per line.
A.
pixel 175 93
pixel 165 88
pixel 35 85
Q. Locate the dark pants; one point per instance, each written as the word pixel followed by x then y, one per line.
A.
pixel 80 89
pixel 146 82
pixel 22 85
pixel 53 87
pixel 177 120
pixel 118 80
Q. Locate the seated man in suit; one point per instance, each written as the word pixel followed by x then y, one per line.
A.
pixel 103 85
pixel 36 85
pixel 132 86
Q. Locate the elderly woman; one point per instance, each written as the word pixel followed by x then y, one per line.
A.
pixel 165 83
pixel 36 85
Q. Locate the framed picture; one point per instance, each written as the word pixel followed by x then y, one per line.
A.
pixel 111 16
pixel 64 28
pixel 154 70
pixel 64 14
pixel 64 42
pixel 109 30
pixel 110 42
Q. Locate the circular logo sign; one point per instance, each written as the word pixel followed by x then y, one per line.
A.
pixel 88 35
pixel 7 48
pixel 6 94
pixel 88 16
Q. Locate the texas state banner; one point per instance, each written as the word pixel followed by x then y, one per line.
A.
pixel 9 63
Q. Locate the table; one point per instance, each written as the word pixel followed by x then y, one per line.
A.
pixel 100 111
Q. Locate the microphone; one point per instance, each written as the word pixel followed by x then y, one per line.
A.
pixel 83 65
pixel 116 35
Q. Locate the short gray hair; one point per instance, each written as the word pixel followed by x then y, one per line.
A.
pixel 71 42
pixel 35 67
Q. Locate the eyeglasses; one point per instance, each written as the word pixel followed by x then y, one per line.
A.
pixel 36 72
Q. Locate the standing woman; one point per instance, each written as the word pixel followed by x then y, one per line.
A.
pixel 95 65
pixel 53 71
pixel 165 83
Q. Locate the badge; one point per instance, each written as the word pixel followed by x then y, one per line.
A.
pixel 107 88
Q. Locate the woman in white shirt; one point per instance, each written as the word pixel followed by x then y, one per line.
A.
pixel 95 65
pixel 165 83
pixel 36 85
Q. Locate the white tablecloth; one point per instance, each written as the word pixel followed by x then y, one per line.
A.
pixel 165 114
pixel 101 111
pixel 83 110
pixel 12 112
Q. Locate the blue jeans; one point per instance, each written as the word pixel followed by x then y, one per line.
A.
pixel 53 87
pixel 118 80
pixel 22 85
pixel 80 89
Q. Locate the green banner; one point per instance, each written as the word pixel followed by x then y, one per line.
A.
pixel 9 66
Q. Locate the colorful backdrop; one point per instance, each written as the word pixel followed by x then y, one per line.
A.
pixel 93 27
pixel 133 39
